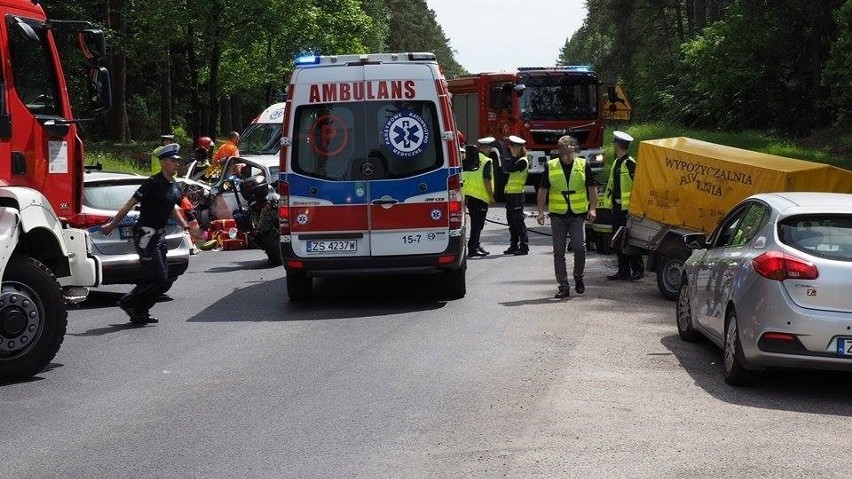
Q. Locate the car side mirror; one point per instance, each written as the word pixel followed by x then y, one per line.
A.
pixel 695 240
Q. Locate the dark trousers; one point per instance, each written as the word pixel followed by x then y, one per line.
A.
pixel 627 263
pixel 477 209
pixel 515 218
pixel 155 269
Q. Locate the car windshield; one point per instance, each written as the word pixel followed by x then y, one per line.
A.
pixel 261 139
pixel 824 236
pixel 366 140
pixel 108 196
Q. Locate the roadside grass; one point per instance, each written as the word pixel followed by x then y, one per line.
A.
pixel 832 146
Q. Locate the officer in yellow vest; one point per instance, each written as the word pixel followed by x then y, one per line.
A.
pixel 569 188
pixel 617 193
pixel 478 194
pixel 514 194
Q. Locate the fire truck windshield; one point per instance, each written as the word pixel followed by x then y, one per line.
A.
pixel 559 98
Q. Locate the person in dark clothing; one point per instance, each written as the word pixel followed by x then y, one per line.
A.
pixel 569 188
pixel 617 192
pixel 160 197
pixel 514 195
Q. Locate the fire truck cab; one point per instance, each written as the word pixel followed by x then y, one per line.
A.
pixel 538 104
pixel 43 263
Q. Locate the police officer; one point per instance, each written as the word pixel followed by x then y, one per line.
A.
pixel 569 187
pixel 159 196
pixel 155 161
pixel 518 170
pixel 618 188
pixel 478 194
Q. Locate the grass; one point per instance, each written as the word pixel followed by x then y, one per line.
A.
pixel 832 146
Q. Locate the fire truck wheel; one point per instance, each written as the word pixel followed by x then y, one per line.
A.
pixel 33 318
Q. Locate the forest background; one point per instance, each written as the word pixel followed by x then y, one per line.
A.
pixel 203 68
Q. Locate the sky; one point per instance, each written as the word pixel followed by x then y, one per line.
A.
pixel 494 35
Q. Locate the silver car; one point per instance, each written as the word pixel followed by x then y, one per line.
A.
pixel 772 286
pixel 103 195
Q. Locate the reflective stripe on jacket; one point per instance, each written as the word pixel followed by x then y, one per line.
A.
pixel 564 190
pixel 517 179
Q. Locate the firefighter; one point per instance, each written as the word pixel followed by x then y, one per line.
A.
pixel 518 170
pixel 479 193
pixel 159 196
pixel 617 193
pixel 569 188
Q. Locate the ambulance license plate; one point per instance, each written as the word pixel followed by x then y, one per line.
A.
pixel 335 246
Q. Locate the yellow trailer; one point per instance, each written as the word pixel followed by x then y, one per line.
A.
pixel 683 185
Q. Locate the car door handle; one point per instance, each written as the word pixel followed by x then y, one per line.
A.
pixel 385 202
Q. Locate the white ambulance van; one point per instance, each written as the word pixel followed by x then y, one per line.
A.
pixel 370 178
pixel 262 138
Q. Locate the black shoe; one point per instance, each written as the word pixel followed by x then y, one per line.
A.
pixel 637 276
pixel 618 277
pixel 135 314
pixel 522 252
pixel 563 293
pixel 482 251
pixel 151 320
pixel 579 286
pixel 474 252
pixel 511 250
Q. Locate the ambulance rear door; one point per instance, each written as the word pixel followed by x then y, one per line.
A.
pixel 368 175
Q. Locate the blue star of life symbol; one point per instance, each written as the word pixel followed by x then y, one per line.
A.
pixel 406 132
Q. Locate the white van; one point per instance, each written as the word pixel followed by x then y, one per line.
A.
pixel 370 177
pixel 262 139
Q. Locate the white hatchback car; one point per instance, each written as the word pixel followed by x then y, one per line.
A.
pixel 772 286
pixel 104 193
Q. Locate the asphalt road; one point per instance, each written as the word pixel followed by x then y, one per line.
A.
pixel 381 378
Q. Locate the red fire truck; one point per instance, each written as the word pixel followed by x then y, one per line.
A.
pixel 537 104
pixel 43 262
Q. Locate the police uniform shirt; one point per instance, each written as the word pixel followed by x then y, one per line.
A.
pixel 158 197
pixel 518 164
pixel 544 182
pixel 616 185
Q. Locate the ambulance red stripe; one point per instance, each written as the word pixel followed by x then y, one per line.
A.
pixel 409 216
pixel 328 218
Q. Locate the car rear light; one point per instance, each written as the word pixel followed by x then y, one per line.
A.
pixel 456 203
pixel 446 259
pixel 777 265
pixel 294 264
pixel 284 207
pixel 775 342
pixel 85 220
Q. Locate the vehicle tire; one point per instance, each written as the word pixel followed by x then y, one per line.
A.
pixel 299 286
pixel 685 327
pixel 272 247
pixel 602 243
pixel 669 272
pixel 732 355
pixel 33 318
pixel 455 286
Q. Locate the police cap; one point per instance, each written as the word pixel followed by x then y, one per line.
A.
pixel 622 137
pixel 486 140
pixel 167 151
pixel 517 140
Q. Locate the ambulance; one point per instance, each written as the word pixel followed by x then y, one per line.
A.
pixel 370 173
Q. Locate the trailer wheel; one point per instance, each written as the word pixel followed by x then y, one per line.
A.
pixel 299 286
pixel 669 272
pixel 33 318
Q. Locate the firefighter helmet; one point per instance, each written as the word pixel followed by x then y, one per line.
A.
pixel 204 142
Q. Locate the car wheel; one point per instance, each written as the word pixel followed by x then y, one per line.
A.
pixel 454 282
pixel 669 273
pixel 732 355
pixel 299 285
pixel 33 318
pixel 685 328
